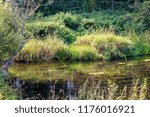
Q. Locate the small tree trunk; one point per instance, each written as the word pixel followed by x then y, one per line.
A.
pixel 11 59
pixel 23 27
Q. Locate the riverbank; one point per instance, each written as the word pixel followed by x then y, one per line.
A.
pixel 90 47
pixel 84 37
pixel 57 80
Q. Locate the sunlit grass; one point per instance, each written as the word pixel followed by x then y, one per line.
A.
pixel 37 50
pixel 97 91
pixel 108 45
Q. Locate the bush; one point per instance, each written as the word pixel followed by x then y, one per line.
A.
pixel 70 20
pixel 143 15
pixel 142 43
pixel 43 29
pixel 89 5
pixel 37 50
pixel 108 45
pixel 78 53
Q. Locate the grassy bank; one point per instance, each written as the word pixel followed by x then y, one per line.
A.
pixel 85 37
pixel 7 92
pixel 89 47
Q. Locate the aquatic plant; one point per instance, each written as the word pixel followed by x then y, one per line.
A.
pixel 92 90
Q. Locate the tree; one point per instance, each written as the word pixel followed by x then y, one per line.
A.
pixel 8 33
pixel 20 10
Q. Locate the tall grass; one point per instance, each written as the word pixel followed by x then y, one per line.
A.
pixel 108 45
pixel 37 50
pixel 142 43
pixel 78 53
pixel 97 91
pixel 90 47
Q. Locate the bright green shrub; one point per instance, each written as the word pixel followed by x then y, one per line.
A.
pixel 63 54
pixel 142 43
pixel 78 53
pixel 43 29
pixel 103 19
pixel 75 22
pixel 110 46
pixel 70 20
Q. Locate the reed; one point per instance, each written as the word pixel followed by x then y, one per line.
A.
pixel 97 91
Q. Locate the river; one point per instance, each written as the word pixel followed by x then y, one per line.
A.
pixel 61 80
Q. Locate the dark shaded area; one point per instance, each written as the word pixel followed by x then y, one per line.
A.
pixel 86 5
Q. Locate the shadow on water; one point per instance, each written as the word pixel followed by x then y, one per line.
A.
pixel 62 80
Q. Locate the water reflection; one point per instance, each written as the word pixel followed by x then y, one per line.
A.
pixel 44 90
pixel 56 81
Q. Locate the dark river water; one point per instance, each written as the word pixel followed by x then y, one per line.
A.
pixel 57 80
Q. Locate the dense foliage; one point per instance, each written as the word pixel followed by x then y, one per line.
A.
pixel 9 36
pixel 73 30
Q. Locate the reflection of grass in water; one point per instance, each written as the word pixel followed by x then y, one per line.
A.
pixel 100 70
pixel 96 91
pixel 39 72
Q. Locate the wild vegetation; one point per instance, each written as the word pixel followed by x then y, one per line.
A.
pixel 115 34
pixel 76 30
pixel 7 92
pixel 97 91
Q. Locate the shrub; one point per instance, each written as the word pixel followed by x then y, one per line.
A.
pixel 89 5
pixel 43 29
pixel 85 53
pixel 78 53
pixel 143 15
pixel 110 46
pixel 70 20
pixel 75 22
pixel 37 50
pixel 142 43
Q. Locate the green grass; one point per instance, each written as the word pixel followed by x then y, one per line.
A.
pixel 85 37
pixel 7 92
pixel 77 53
pixel 104 45
pixel 142 43
pixel 108 45
pixel 40 50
